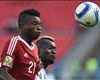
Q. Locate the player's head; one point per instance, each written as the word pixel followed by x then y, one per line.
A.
pixel 47 49
pixel 29 23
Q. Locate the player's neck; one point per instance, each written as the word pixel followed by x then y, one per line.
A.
pixel 45 65
pixel 26 39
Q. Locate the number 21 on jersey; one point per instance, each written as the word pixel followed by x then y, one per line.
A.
pixel 32 64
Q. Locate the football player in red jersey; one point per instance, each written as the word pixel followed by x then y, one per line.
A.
pixel 20 55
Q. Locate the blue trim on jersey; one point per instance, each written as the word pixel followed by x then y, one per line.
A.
pixel 84 11
pixel 96 15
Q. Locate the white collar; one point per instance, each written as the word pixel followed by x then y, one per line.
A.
pixel 30 47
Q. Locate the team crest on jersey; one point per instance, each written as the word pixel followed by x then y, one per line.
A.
pixel 26 55
pixel 8 61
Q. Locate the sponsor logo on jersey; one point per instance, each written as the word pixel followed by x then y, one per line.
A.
pixel 26 55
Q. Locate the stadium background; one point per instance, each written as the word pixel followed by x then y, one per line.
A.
pixel 78 50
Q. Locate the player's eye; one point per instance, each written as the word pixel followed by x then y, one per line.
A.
pixel 50 47
pixel 35 23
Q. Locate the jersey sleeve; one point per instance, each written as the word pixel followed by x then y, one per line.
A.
pixel 38 76
pixel 41 75
pixel 8 54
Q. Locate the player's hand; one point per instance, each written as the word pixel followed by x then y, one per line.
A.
pixel 1 78
pixel 4 75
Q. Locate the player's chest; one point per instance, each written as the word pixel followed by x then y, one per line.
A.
pixel 26 55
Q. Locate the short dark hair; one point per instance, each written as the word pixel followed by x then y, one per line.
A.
pixel 23 14
pixel 42 41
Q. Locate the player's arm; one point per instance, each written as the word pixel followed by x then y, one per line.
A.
pixel 7 60
pixel 4 75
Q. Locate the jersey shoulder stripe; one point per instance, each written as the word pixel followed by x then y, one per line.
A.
pixel 12 45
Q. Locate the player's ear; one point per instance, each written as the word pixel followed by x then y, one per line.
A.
pixel 21 26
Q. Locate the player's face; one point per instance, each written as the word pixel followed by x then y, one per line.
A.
pixel 32 27
pixel 49 52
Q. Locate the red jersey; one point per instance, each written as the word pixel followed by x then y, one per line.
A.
pixel 20 58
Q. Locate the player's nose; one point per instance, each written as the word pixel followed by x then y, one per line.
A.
pixel 54 51
pixel 39 29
